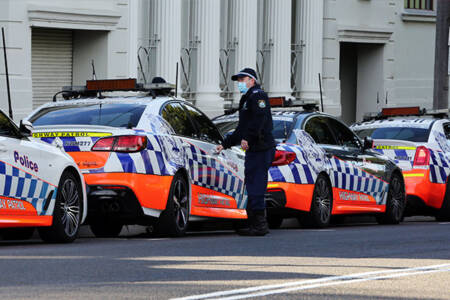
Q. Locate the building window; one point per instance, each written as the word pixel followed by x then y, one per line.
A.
pixel 419 4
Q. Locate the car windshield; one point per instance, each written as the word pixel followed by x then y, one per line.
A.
pixel 411 134
pixel 107 114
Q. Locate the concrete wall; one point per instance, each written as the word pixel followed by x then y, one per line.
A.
pixel 405 52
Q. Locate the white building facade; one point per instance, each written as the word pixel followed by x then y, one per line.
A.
pixel 368 52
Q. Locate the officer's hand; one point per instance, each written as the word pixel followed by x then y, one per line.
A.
pixel 219 148
pixel 244 145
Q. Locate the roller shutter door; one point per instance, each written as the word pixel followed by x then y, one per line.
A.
pixel 51 62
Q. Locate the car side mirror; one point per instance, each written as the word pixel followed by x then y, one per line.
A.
pixel 367 143
pixel 26 127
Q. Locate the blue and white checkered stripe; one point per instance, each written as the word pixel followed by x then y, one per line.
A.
pixel 439 167
pixel 26 187
pixel 345 175
pixel 148 161
pixel 394 154
pixel 204 171
pixel 208 173
pixel 300 171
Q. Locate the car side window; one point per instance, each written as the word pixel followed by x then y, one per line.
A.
pixel 177 117
pixel 447 130
pixel 318 129
pixel 206 129
pixel 7 128
pixel 343 134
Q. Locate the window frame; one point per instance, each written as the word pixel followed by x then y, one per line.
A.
pixel 189 118
pixel 194 123
pixel 359 142
pixel 326 124
pixel 16 131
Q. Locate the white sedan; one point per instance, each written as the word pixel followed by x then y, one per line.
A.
pixel 40 186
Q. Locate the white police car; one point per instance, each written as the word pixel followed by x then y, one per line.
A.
pixel 147 159
pixel 419 143
pixel 40 186
pixel 322 169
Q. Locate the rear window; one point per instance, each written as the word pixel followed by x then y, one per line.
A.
pixel 411 134
pixel 110 114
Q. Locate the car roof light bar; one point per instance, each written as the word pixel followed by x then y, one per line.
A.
pixel 94 87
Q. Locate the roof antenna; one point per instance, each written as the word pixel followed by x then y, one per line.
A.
pixel 94 77
pixel 320 88
pixel 7 74
pixel 176 82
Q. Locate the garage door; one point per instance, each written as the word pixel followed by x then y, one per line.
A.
pixel 51 63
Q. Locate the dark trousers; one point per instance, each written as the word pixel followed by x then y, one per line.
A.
pixel 257 165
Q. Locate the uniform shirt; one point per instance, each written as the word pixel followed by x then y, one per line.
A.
pixel 255 122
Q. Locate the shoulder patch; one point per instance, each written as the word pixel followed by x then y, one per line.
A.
pixel 262 103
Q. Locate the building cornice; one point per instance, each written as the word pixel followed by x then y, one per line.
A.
pixel 73 18
pixel 364 34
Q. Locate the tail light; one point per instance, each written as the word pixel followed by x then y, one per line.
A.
pixel 422 157
pixel 124 143
pixel 283 158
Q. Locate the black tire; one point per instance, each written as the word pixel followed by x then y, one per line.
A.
pixel 175 218
pixel 443 214
pixel 396 202
pixel 274 222
pixel 67 212
pixel 105 228
pixel 319 215
pixel 17 234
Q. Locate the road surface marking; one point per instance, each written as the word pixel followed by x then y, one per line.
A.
pixel 259 291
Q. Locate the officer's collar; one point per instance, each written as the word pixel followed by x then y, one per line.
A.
pixel 250 90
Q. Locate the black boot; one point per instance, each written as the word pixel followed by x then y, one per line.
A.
pixel 258 224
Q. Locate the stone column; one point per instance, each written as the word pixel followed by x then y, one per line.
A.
pixel 207 31
pixel 310 25
pixel 166 16
pixel 244 32
pixel 279 39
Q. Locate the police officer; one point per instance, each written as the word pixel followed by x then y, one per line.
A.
pixel 254 134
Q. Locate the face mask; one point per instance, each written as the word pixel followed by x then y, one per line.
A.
pixel 242 86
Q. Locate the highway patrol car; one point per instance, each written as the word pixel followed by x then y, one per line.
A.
pixel 326 170
pixel 40 186
pixel 147 159
pixel 419 142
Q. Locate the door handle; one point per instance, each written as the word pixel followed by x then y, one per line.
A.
pixel 3 148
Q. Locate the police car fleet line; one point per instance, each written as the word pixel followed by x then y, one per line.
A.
pixel 419 142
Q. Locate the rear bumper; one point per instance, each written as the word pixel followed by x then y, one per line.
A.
pixel 420 189
pixel 285 198
pixel 146 191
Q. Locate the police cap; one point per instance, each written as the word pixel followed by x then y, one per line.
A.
pixel 245 72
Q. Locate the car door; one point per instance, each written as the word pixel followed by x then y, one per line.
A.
pixel 372 180
pixel 224 172
pixel 22 188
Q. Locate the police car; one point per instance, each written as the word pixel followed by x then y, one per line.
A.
pixel 419 142
pixel 325 170
pixel 147 157
pixel 40 186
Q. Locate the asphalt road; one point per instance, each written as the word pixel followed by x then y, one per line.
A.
pixel 349 261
